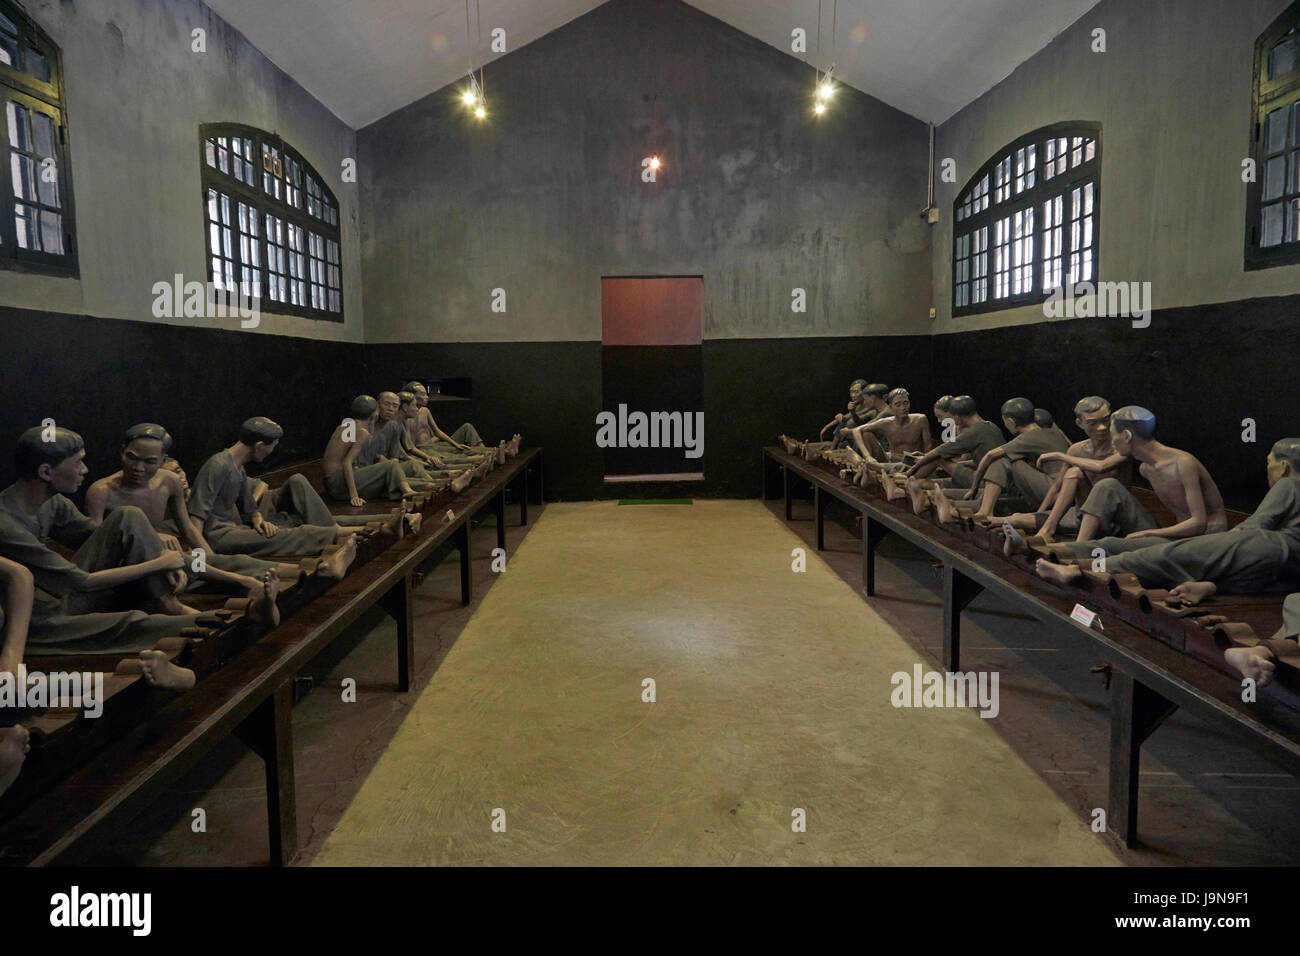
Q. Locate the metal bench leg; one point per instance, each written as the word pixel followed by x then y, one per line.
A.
pixel 500 508
pixel 268 731
pixel 1135 713
pixel 523 498
pixel 397 602
pixel 873 532
pixel 461 538
pixel 819 506
pixel 958 591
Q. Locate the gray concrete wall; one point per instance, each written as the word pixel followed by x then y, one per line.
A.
pixel 136 95
pixel 1173 95
pixel 545 197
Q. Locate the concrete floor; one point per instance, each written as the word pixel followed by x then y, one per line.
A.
pixel 772 694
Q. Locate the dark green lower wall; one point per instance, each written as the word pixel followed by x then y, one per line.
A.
pixel 1200 369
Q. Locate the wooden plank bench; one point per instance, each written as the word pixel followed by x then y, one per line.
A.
pixel 250 695
pixel 1151 678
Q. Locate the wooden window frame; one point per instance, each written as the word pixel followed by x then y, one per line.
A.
pixel 268 148
pixel 1266 96
pixel 47 97
pixel 978 216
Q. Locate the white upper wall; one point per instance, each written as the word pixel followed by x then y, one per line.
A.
pixel 135 96
pixel 1173 95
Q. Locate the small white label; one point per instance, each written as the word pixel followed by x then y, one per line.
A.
pixel 1084 616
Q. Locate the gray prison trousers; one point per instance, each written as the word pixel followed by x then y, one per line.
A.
pixel 1019 477
pixel 381 480
pixel 1238 562
pixel 91 622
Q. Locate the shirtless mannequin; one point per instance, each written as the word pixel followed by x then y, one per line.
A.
pixel 346 481
pixel 859 412
pixel 1178 479
pixel 1260 555
pixel 89 604
pixel 1060 508
pixel 222 503
pixel 906 433
pixel 424 431
pixel 1015 464
pixel 143 483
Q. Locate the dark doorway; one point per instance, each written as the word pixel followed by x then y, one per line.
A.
pixel 652 330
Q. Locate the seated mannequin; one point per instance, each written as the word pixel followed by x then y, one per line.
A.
pixel 347 481
pixel 975 438
pixel 390 440
pixel 1015 465
pixel 1045 419
pixel 96 602
pixel 426 434
pixel 452 455
pixel 1060 507
pixel 859 411
pixel 223 504
pixel 1259 556
pixel 19 592
pixel 904 433
pixel 1115 521
pixel 142 483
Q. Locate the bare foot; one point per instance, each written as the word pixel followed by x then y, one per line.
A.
pixel 1014 542
pixel 160 672
pixel 14 745
pixel 337 564
pixel 1060 573
pixel 892 491
pixel 1192 592
pixel 943 507
pixel 916 492
pixel 170 604
pixel 262 606
pixel 501 453
pixel 1253 662
pixel 411 523
pixel 461 481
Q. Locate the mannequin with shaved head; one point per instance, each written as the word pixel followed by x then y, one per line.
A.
pixel 1259 556
pixel 344 479
pixel 1015 466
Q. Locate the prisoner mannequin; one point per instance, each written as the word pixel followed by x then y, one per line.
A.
pixel 424 431
pixel 143 483
pixel 1260 661
pixel 1014 465
pixel 1115 521
pixel 1045 419
pixel 222 502
pixel 346 482
pixel 975 438
pixel 95 603
pixel 1259 556
pixel 903 432
pixel 1061 507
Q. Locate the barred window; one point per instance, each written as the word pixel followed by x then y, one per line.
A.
pixel 272 223
pixel 1026 222
pixel 1273 200
pixel 36 222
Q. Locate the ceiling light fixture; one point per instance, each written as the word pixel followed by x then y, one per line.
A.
pixel 473 96
pixel 825 86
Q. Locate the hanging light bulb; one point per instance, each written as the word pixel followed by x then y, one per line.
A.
pixel 468 97
pixel 819 108
pixel 480 111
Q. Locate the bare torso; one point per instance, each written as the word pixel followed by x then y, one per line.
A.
pixel 1166 478
pixel 151 498
pixel 421 427
pixel 904 434
pixel 337 449
pixel 1095 451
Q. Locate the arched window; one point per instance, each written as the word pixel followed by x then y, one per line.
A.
pixel 36 227
pixel 1026 223
pixel 272 223
pixel 1273 200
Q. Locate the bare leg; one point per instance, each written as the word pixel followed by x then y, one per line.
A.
pixel 1064 499
pixel 1254 662
pixel 1088 527
pixel 988 500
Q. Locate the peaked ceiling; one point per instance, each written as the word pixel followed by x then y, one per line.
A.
pixel 366 58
